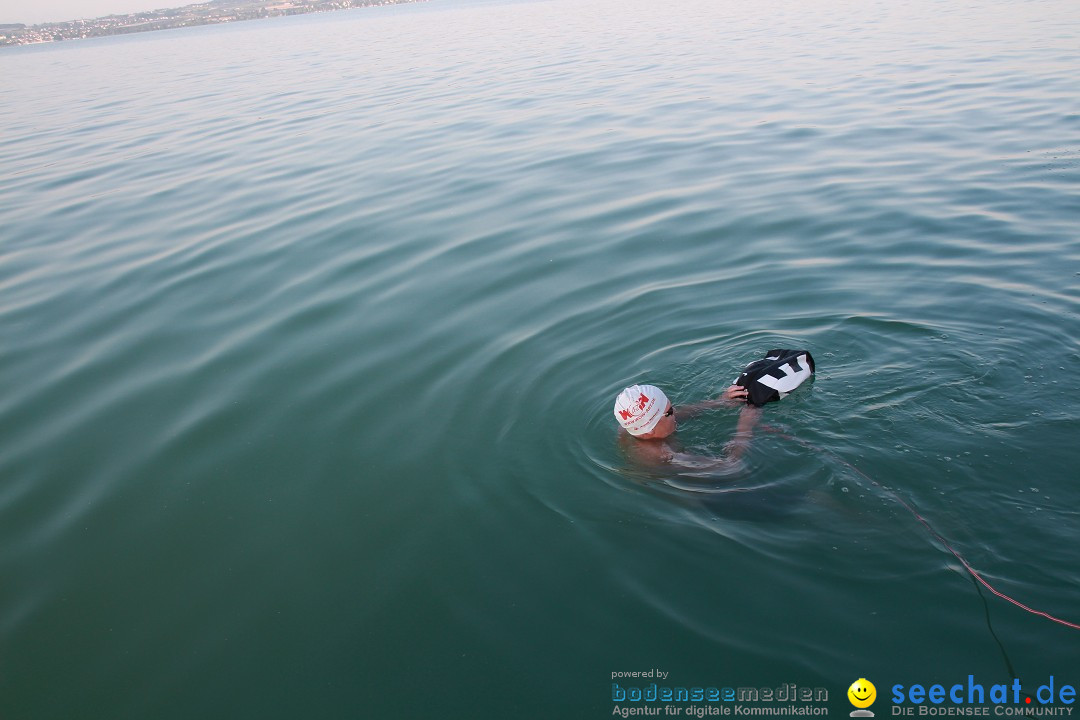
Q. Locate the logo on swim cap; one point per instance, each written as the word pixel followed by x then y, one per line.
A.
pixel 639 407
pixel 642 403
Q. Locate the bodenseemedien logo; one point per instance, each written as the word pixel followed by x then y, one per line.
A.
pixel 862 694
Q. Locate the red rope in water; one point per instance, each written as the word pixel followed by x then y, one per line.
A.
pixel 932 531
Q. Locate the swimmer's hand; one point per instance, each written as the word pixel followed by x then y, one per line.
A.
pixel 735 394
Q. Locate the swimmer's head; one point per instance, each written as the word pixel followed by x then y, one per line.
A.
pixel 645 412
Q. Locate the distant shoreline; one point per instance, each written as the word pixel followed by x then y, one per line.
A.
pixel 210 13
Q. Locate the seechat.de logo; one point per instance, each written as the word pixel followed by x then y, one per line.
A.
pixel 862 694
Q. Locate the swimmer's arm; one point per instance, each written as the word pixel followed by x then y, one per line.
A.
pixel 740 442
pixel 744 431
pixel 733 395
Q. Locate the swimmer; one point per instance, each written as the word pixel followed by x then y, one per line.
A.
pixel 648 418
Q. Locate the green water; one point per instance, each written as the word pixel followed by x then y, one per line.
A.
pixel 312 329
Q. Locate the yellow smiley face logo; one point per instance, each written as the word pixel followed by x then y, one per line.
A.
pixel 862 693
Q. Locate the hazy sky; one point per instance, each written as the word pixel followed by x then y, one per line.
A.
pixel 24 11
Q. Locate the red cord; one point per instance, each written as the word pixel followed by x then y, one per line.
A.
pixel 932 531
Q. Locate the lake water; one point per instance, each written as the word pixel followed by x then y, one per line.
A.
pixel 312 329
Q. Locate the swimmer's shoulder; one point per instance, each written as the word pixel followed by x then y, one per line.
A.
pixel 646 452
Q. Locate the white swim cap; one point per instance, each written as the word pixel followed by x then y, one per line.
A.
pixel 639 407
